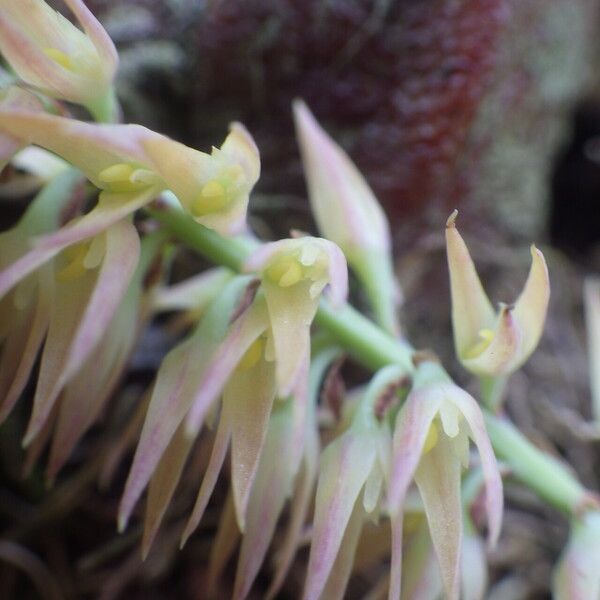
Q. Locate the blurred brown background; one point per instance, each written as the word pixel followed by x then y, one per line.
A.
pixel 491 106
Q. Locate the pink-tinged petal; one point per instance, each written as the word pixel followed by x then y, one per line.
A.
pixel 15 98
pixel 110 210
pixel 223 545
pixel 170 401
pixel 577 575
pixel 116 271
pixel 20 349
pixel 272 486
pixel 193 293
pixel 438 480
pixel 494 498
pixel 72 336
pixel 471 308
pixel 591 298
pixel 344 562
pixel 48 51
pixel 182 376
pixel 473 568
pixel 411 430
pixel 396 556
pixel 344 205
pixel 35 67
pixel 348 214
pixel 243 332
pixel 298 513
pixel 90 147
pixel 97 34
pixel 532 305
pixel 345 466
pixel 215 463
pixel 80 407
pixel 506 344
pixel 249 396
pixel 70 302
pixel 163 484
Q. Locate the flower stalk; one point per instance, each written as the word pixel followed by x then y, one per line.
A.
pixel 374 348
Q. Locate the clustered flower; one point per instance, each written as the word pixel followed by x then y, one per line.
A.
pixel 77 286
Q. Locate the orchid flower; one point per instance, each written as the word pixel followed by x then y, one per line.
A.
pixel 577 576
pixel 50 53
pixel 25 312
pixel 431 444
pixel 489 343
pixel 80 403
pixel 348 213
pixel 355 463
pixel 224 353
pixel 294 272
pixel 132 165
pixel 91 279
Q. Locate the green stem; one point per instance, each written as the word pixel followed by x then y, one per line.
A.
pixel 374 348
pixel 546 476
pixel 106 108
pixel 208 243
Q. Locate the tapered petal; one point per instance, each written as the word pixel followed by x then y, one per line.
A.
pixel 412 428
pixel 107 213
pixel 337 582
pixel 438 480
pixel 345 466
pixel 193 293
pixel 186 371
pixel 163 483
pixel 80 406
pixel 494 498
pixel 21 347
pixel 471 309
pixel 243 332
pixel 83 310
pixel 249 396
pixel 215 463
pixel 272 486
pixel 344 205
pixel 532 305
pixel 223 545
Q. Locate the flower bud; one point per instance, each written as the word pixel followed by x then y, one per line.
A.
pixel 50 53
pixel 348 213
